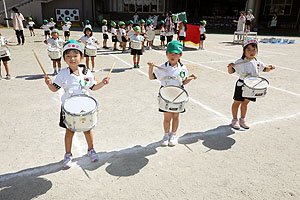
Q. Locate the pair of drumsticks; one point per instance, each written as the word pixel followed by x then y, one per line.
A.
pixel 108 75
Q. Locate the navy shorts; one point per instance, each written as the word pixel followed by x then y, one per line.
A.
pixel 239 91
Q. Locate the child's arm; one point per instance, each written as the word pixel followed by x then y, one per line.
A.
pixel 269 68
pixel 189 78
pixel 105 81
pixel 230 68
pixel 50 85
pixel 150 71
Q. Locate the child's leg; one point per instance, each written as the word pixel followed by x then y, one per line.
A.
pixel 68 140
pixel 87 59
pixel 175 122
pixel 115 45
pixel 54 64
pixel 167 121
pixel 58 64
pixel 244 105
pixel 104 43
pixel 89 139
pixel 138 59
pixel 93 62
pixel 5 63
pixel 134 58
pixel 235 108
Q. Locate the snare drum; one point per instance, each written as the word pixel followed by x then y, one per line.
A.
pixel 137 45
pixel 172 98
pixel 255 86
pixel 4 51
pixel 54 53
pixel 80 112
pixel 90 50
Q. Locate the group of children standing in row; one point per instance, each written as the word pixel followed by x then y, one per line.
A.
pixel 244 21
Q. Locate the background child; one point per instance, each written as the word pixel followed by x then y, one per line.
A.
pixel 202 34
pixel 69 79
pixel 68 21
pixel 249 19
pixel 124 36
pixel 46 29
pixel 89 39
pixel 114 34
pixel 66 28
pixel 31 26
pixel 87 24
pixel 105 33
pixel 162 34
pixel 4 59
pixel 136 46
pixel 52 24
pixel 150 33
pixel 252 67
pixel 177 75
pixel 240 24
pixel 143 32
pixel 55 42
pixel 182 31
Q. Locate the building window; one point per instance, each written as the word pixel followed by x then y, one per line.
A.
pixel 132 6
pixel 280 7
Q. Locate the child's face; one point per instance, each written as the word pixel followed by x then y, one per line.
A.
pixel 73 58
pixel 250 51
pixel 173 58
pixel 54 35
pixel 137 32
pixel 88 32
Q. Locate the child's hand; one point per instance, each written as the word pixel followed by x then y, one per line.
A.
pixel 151 65
pixel 271 67
pixel 105 81
pixel 48 80
pixel 193 76
pixel 231 65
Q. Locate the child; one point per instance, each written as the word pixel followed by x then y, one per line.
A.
pixel 123 35
pixel 182 31
pixel 162 34
pixel 5 58
pixel 114 34
pixel 176 75
pixel 87 24
pixel 66 28
pixel 68 21
pixel 143 32
pixel 150 33
pixel 55 42
pixel 105 33
pixel 136 46
pixel 89 39
pixel 240 24
pixel 249 19
pixel 46 29
pixel 69 79
pixel 130 26
pixel 52 24
pixel 252 67
pixel 31 26
pixel 202 34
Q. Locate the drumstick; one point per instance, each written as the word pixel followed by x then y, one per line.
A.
pixel 177 96
pixel 39 63
pixel 112 67
pixel 241 62
pixel 190 78
pixel 160 68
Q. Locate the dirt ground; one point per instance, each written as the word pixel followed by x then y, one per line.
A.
pixel 211 161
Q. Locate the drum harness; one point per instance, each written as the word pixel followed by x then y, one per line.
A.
pixel 172 77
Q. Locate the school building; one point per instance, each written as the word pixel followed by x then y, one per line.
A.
pixel 218 13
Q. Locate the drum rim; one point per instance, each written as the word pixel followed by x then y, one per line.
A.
pixel 245 85
pixel 80 95
pixel 79 130
pixel 167 101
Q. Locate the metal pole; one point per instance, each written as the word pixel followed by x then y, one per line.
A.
pixel 4 5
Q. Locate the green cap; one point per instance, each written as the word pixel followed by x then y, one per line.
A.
pixel 45 21
pixel 51 18
pixel 250 10
pixel 203 22
pixel 65 22
pixel 29 18
pixel 87 21
pixel 184 21
pixel 112 23
pixel 137 28
pixel 142 21
pixel 175 47
pixel 121 23
pixel 68 18
pixel 104 21
pixel 73 44
pixel 130 22
pixel 55 31
pixel 162 21
pixel 148 21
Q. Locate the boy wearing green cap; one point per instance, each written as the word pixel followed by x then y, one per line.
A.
pixel 162 34
pixel 123 36
pixel 202 34
pixel 105 33
pixel 249 18
pixel 182 31
pixel 52 24
pixel 46 29
pixel 31 26
pixel 70 80
pixel 136 46
pixel 113 32
pixel 66 28
pixel 175 74
pixel 143 32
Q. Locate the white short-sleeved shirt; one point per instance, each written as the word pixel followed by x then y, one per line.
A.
pixel 129 28
pixel 202 29
pixel 88 40
pixel 162 31
pixel 135 19
pixel 3 41
pixel 104 30
pixel 87 26
pixel 45 27
pixel 173 76
pixel 241 24
pixel 31 23
pixel 51 24
pixel 253 67
pixel 249 17
pixel 123 32
pixel 137 38
pixel 71 83
pixel 66 27
pixel 113 31
pixel 182 31
pixel 69 23
pixel 58 43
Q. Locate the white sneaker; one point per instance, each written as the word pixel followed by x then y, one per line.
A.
pixel 67 160
pixel 93 155
pixel 165 140
pixel 173 140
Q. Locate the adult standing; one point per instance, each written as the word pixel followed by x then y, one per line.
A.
pixel 169 26
pixel 135 18
pixel 240 24
pixel 17 19
pixel 273 24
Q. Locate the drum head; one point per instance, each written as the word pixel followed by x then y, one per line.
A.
pixel 80 104
pixel 256 82
pixel 53 49
pixel 91 47
pixel 171 92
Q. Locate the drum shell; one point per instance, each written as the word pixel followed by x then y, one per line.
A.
pixel 4 51
pixel 54 53
pixel 80 122
pixel 136 45
pixel 250 92
pixel 90 51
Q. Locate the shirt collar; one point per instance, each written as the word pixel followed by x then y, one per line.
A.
pixel 84 70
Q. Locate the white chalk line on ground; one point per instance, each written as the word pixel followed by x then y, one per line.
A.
pixel 276 119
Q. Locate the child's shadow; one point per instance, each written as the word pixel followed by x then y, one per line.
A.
pixel 33 76
pixel 216 139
